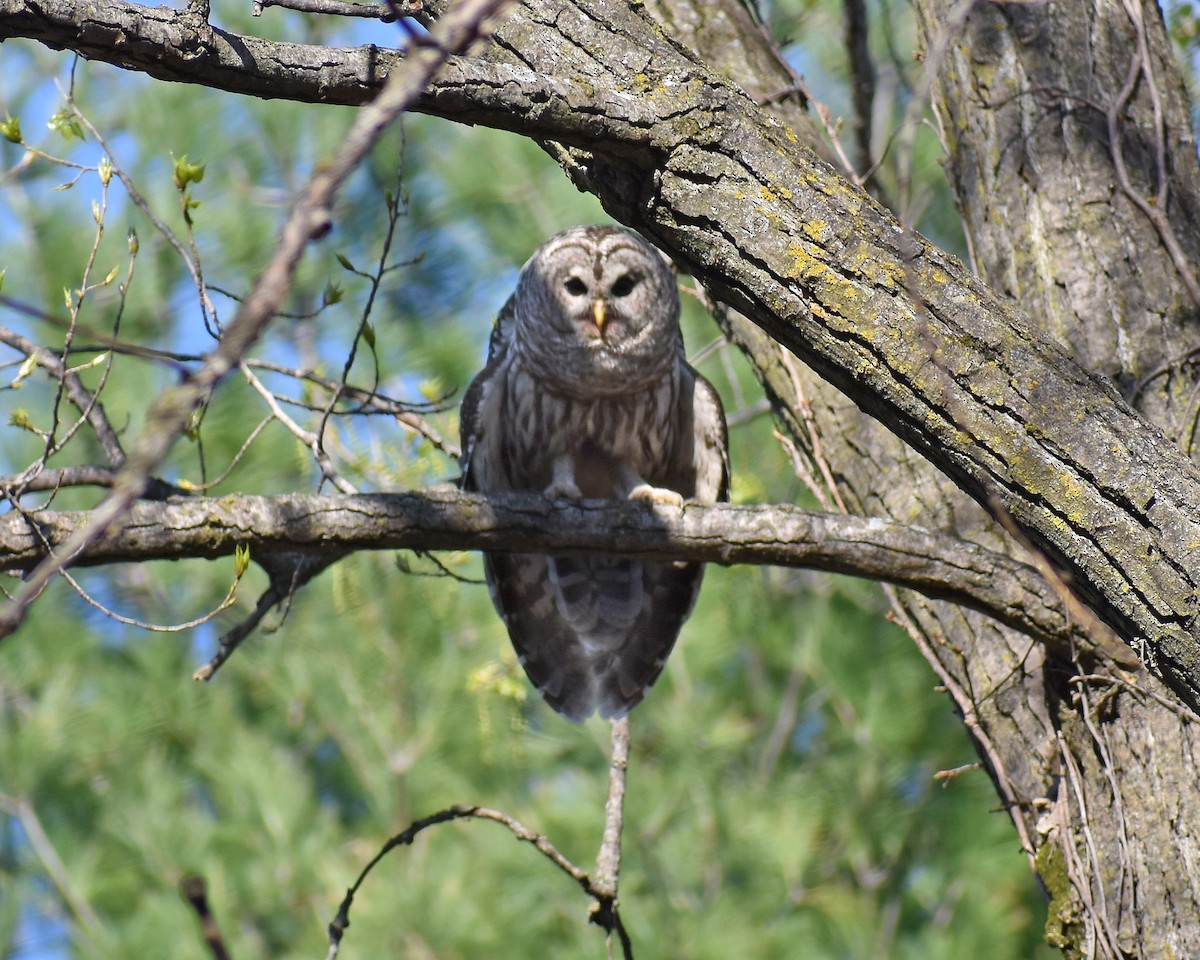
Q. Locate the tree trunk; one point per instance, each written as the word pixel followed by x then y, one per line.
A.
pixel 1074 165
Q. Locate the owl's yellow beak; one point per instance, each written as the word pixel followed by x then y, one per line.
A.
pixel 598 316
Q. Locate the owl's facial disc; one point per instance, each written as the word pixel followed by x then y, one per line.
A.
pixel 594 304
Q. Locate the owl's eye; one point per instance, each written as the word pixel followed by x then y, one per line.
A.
pixel 624 285
pixel 575 287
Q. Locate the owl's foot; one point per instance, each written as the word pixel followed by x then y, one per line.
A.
pixel 563 490
pixel 562 484
pixel 649 494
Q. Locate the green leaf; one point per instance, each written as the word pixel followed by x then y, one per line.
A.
pixel 27 367
pixel 20 418
pixel 186 172
pixel 67 124
pixel 241 560
pixel 10 129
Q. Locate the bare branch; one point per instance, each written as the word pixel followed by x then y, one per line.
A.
pixel 608 860
pixel 87 404
pixel 170 45
pixel 288 573
pixel 336 8
pixel 82 476
pixel 341 921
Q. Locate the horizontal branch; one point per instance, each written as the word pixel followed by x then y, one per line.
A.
pixel 444 518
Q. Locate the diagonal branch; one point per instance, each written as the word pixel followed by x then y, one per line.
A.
pixel 85 402
pixel 443 518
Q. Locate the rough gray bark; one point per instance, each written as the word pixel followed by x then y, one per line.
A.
pixel 1089 760
pixel 1074 164
pixel 444 518
pixel 1113 853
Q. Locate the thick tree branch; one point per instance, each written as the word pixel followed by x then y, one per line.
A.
pixel 172 45
pixel 443 518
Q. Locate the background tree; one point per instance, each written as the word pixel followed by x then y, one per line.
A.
pixel 1065 133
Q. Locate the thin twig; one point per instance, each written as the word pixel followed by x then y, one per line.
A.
pixel 225 604
pixel 288 574
pixel 306 437
pixel 395 208
pixel 341 921
pixel 23 811
pixel 195 892
pixel 77 393
pixel 1153 208
pixel 139 201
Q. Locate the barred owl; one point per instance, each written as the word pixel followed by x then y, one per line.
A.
pixel 586 394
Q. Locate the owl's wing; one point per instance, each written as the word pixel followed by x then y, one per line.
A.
pixel 710 442
pixel 473 414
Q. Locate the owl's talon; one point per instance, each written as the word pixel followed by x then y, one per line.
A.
pixel 649 494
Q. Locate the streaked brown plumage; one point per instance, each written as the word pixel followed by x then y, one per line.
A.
pixel 586 394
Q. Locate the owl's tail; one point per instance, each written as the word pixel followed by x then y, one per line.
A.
pixel 592 633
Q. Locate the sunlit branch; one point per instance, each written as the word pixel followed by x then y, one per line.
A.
pixel 443 518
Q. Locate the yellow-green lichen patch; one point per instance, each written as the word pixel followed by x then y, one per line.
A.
pixel 773 195
pixel 866 262
pixel 1063 912
pixel 814 229
pixel 831 289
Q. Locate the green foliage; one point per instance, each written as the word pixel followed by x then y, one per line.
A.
pixel 782 799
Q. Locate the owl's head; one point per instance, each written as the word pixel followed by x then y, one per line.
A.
pixel 597 311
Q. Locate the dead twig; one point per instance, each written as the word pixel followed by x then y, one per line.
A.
pixel 337 927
